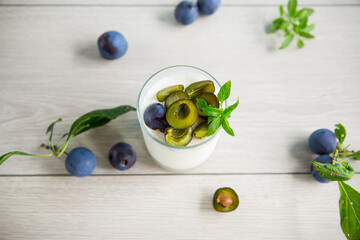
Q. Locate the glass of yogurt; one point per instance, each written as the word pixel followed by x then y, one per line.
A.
pixel 170 157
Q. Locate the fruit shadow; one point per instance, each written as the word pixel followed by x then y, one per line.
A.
pixel 271 42
pixel 301 153
pixel 168 18
pixel 206 205
pixel 126 129
pixel 89 51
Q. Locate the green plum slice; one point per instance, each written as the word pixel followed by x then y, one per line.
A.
pixel 178 137
pixel 182 114
pixel 225 200
pixel 164 93
pixel 201 130
pixel 175 96
pixel 210 99
pixel 197 88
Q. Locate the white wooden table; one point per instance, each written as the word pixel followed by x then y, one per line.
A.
pixel 50 68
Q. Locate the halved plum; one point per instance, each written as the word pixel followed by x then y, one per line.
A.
pixel 178 137
pixel 182 114
pixel 175 96
pixel 199 87
pixel 164 93
pixel 225 200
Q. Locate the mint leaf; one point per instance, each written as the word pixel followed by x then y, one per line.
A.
pixel 231 108
pixel 292 7
pixel 276 24
pixel 208 109
pixel 285 24
pixel 226 126
pixel 341 172
pixel 281 9
pixel 51 129
pixel 309 28
pixel 224 92
pixel 304 13
pixel 300 43
pixel 305 34
pixel 287 41
pixel 349 206
pixel 356 155
pixel 210 119
pixel 303 23
pixel 340 132
pixel 214 126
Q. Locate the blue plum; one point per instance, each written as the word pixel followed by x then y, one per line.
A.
pixel 80 162
pixel 155 117
pixel 186 12
pixel 122 156
pixel 322 141
pixel 112 45
pixel 321 159
pixel 208 7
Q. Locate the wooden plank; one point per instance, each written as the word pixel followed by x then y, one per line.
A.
pixel 50 68
pixel 169 2
pixel 168 207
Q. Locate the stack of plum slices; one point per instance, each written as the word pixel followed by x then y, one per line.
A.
pixel 177 114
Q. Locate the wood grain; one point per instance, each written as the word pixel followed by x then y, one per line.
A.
pixel 50 68
pixel 171 2
pixel 168 207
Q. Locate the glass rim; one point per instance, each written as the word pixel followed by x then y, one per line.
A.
pixel 141 120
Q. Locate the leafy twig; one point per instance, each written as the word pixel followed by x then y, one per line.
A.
pixel 293 23
pixel 218 116
pixel 84 123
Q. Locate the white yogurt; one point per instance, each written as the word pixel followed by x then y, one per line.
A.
pixel 167 156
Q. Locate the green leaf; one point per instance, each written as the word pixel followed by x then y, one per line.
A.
pixel 9 154
pixel 226 126
pixel 300 43
pixel 276 25
pixel 303 23
pixel 309 28
pixel 356 155
pixel 96 119
pixel 210 119
pixel 340 132
pixel 209 110
pixel 51 129
pixel 214 126
pixel 304 13
pixel 231 108
pixel 287 41
pixel 224 92
pixel 285 24
pixel 305 34
pixel 341 172
pixel 281 9
pixel 349 206
pixel 292 7
pixel 287 32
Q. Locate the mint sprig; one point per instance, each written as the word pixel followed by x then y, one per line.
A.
pixel 218 116
pixel 294 24
pixel 84 123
